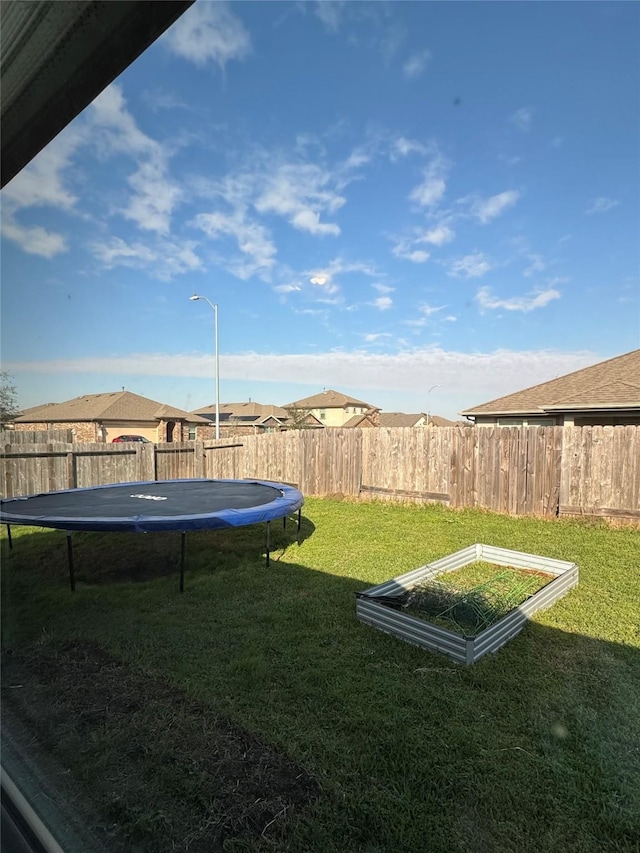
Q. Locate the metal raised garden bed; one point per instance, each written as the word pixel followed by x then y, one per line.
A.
pixel 464 649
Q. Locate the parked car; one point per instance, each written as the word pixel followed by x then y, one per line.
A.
pixel 132 438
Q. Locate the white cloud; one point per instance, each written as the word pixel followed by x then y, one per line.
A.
pixel 602 205
pixel 415 65
pixel 375 336
pixel 358 157
pixel 522 119
pixel 164 260
pixel 209 32
pixel 383 303
pixel 431 190
pixel 33 239
pixel 328 277
pixel 527 303
pixel 287 288
pixel 467 378
pixel 110 117
pixel 429 310
pixel 470 266
pixel 301 193
pixel 537 264
pixel 383 288
pixel 252 239
pixel 487 209
pixel 330 13
pixel 155 194
pixel 403 147
pixel 404 250
pixel 438 235
pixel 41 184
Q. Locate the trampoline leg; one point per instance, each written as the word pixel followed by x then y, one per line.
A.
pixel 299 523
pixel 184 536
pixel 72 577
pixel 10 540
pixel 284 522
pixel 268 529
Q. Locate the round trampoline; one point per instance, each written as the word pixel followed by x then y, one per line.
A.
pixel 180 505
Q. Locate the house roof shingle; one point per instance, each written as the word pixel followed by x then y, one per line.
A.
pixel 112 406
pixel 328 399
pixel 257 410
pixel 614 383
pixel 398 419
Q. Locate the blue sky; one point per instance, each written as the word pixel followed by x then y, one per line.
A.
pixel 381 198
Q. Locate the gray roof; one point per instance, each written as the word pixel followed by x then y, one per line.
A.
pixel 258 410
pixel 112 406
pixel 611 384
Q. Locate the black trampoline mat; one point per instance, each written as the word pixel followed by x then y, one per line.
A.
pixel 167 499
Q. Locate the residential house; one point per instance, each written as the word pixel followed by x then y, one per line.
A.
pixel 397 419
pixel 331 408
pixel 607 394
pixel 251 418
pixel 103 417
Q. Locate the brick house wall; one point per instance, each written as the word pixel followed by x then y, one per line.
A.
pixel 83 431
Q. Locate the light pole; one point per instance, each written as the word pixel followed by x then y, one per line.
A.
pixel 428 407
pixel 214 305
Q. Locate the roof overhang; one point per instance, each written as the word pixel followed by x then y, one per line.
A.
pixel 504 413
pixel 56 57
pixel 602 407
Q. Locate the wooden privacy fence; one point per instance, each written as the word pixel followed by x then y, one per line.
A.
pixel 544 471
pixel 17 436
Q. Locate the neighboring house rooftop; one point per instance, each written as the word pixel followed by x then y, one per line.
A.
pixel 328 399
pixel 441 422
pixel 612 384
pixel 397 419
pixel 112 406
pixel 250 411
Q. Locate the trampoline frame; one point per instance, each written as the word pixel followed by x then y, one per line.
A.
pixel 291 501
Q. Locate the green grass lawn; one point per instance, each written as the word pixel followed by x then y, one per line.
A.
pixel 535 748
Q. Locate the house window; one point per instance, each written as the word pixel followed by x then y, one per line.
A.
pixel 323 415
pixel 192 433
pixel 541 421
pixel 510 422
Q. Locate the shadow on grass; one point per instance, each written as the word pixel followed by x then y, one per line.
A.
pixel 533 748
pixel 115 558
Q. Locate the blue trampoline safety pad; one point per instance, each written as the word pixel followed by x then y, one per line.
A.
pixel 184 505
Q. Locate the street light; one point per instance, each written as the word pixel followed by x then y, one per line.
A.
pixel 214 305
pixel 428 392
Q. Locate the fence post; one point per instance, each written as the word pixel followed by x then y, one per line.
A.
pixel 72 471
pixel 8 479
pixel 198 459
pixel 146 459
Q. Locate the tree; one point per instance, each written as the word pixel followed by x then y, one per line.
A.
pixel 301 419
pixel 8 398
